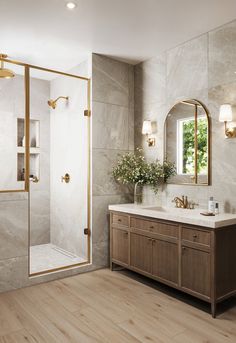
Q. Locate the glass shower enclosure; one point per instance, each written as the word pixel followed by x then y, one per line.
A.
pixel 45 151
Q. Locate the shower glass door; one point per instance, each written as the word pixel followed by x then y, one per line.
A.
pixel 58 171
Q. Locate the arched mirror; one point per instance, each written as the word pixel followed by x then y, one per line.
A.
pixel 187 142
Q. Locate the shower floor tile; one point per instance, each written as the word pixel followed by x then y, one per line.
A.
pixel 49 256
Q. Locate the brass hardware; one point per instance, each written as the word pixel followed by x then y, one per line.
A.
pixel 181 203
pixel 119 220
pixel 87 113
pixel 230 132
pixel 151 227
pixel 53 103
pixel 151 142
pixel 195 236
pixel 5 73
pixel 86 231
pixel 150 239
pixel 34 179
pixel 65 178
pixel 126 233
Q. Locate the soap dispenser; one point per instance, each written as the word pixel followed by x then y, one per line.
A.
pixel 211 205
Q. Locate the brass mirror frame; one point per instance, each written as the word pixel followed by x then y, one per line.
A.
pixel 199 103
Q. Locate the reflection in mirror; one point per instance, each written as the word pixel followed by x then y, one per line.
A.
pixel 187 142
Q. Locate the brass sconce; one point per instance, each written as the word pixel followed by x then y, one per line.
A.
pixel 147 130
pixel 226 115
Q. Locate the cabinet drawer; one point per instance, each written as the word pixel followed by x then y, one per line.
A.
pixel 155 227
pixel 196 236
pixel 120 219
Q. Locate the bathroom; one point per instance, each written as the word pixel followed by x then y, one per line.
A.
pixel 105 100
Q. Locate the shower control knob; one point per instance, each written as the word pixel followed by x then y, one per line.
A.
pixel 65 178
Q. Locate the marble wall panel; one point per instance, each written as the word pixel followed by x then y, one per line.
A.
pixel 186 69
pixel 113 85
pixel 111 126
pixel 13 226
pixel 222 51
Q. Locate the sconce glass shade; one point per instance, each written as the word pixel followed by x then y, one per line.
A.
pixel 225 113
pixel 147 127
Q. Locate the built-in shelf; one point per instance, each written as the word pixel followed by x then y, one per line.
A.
pixel 34 149
pixel 34 133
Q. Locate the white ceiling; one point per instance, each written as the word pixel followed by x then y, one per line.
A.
pixel 44 32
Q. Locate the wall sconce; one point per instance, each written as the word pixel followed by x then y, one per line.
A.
pixel 226 115
pixel 147 130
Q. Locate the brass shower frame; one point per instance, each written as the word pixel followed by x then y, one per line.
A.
pixel 87 113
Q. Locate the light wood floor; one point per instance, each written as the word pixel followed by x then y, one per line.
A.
pixel 105 306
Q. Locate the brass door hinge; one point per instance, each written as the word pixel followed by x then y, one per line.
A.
pixel 86 231
pixel 87 113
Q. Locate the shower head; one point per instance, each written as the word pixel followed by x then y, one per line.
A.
pixel 53 103
pixel 5 73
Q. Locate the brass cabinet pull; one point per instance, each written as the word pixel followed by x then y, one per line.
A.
pixel 126 233
pixel 151 227
pixel 65 178
pixel 195 236
pixel 150 239
pixel 119 220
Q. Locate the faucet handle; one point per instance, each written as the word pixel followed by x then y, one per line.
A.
pixel 192 205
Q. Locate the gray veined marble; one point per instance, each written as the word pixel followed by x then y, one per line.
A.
pixel 187 69
pixel 111 126
pixel 103 181
pixel 150 82
pixel 113 85
pixel 222 52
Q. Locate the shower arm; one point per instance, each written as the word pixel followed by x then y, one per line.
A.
pixel 61 97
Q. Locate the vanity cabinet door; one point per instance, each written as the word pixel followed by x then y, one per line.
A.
pixel 165 260
pixel 120 245
pixel 195 274
pixel 141 252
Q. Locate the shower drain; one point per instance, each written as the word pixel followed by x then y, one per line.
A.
pixel 64 252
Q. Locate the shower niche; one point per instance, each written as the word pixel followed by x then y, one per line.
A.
pixel 34 142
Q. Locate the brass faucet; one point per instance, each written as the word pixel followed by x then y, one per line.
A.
pixel 184 203
pixel 181 203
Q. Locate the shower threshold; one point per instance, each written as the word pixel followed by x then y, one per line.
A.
pixel 45 257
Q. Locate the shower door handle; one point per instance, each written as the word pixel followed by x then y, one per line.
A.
pixel 65 178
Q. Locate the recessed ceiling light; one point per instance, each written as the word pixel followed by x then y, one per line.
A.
pixel 71 5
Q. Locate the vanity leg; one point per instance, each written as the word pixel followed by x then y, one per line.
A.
pixel 213 309
pixel 111 266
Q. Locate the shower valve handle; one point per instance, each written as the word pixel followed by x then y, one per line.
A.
pixel 65 178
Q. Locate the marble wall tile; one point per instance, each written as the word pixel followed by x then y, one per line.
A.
pixel 150 82
pixel 187 69
pixel 103 182
pixel 110 126
pixel 100 255
pixel 101 214
pixel 113 85
pixel 13 228
pixel 131 109
pixel 14 273
pixel 222 51
pixel 39 217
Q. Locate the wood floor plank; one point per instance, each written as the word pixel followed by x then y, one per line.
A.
pixel 22 336
pixel 59 322
pixel 107 307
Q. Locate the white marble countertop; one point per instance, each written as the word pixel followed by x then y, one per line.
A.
pixel 177 215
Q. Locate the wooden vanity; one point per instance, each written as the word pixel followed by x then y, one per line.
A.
pixel 197 260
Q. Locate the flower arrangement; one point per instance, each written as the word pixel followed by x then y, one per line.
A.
pixel 132 168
